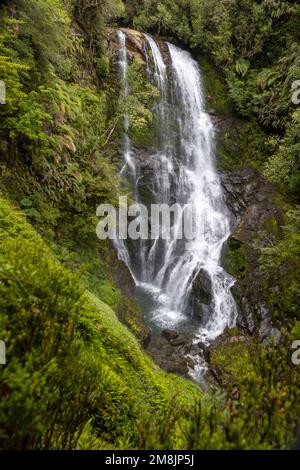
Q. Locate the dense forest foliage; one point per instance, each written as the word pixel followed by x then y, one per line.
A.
pixel 255 44
pixel 76 377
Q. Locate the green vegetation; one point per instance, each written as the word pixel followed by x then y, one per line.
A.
pixel 255 46
pixel 282 261
pixel 70 361
pixel 263 392
pixel 76 377
pixel 139 104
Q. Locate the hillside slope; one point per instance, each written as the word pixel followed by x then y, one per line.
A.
pixel 69 359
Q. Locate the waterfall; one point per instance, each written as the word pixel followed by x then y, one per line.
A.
pixel 119 244
pixel 180 169
pixel 123 63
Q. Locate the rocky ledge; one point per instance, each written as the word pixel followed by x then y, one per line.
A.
pixel 257 224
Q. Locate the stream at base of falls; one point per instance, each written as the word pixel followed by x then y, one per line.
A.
pixel 180 169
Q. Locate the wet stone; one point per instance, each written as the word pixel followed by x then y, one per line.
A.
pixel 170 334
pixel 179 341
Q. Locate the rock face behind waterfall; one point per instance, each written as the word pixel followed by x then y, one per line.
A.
pixel 128 312
pixel 201 295
pixel 258 225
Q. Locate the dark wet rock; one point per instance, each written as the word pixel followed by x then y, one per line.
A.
pixel 120 273
pixel 167 356
pixel 254 227
pixel 257 224
pixel 177 355
pixel 179 341
pixel 265 326
pixel 165 52
pixel 247 317
pixel 202 285
pixel 128 311
pixel 213 376
pixel 205 351
pixel 243 329
pixel 169 334
pixel 270 336
pixel 201 295
pixel 246 187
pixel 202 311
pixel 190 362
pixel 191 348
pixel 177 366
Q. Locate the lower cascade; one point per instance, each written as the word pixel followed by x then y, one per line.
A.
pixel 180 169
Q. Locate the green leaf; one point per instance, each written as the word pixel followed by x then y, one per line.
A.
pixel 242 66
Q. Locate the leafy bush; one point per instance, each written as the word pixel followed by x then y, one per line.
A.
pixel 256 48
pixel 284 259
pixel 139 104
pixel 283 167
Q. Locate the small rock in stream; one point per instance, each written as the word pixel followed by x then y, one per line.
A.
pixel 205 350
pixel 179 341
pixel 170 334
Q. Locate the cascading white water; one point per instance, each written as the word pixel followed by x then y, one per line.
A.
pixel 119 244
pixel 181 169
pixel 202 188
pixel 123 63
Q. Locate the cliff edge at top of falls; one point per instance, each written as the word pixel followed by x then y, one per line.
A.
pixel 135 43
